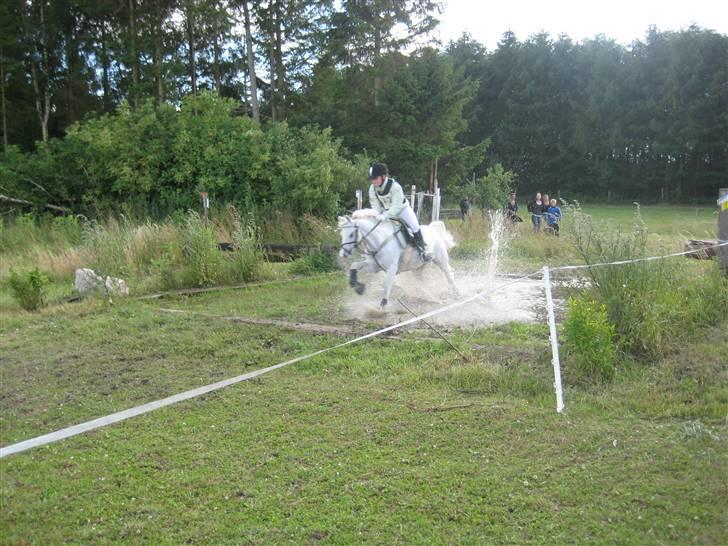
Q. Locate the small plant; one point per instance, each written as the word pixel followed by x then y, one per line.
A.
pixel 312 264
pixel 588 338
pixel 29 288
pixel 247 260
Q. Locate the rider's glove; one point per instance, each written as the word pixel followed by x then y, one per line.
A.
pixel 382 216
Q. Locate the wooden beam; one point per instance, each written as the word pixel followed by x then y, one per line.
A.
pixel 15 201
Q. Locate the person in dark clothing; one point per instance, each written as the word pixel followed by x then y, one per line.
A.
pixel 537 209
pixel 512 210
pixel 465 207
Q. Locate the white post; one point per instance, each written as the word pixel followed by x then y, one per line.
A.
pixel 359 200
pixel 554 341
pixel 436 205
pixel 412 197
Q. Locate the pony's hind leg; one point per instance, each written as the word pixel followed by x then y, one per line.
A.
pixel 444 264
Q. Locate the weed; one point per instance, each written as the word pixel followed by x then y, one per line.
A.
pixel 28 288
pixel 588 338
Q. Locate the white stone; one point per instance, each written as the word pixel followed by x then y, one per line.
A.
pixel 88 282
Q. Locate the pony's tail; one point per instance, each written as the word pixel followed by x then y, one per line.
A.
pixel 447 237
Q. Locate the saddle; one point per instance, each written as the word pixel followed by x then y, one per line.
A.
pixel 409 238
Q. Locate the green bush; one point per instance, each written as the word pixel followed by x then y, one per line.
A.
pixel 28 288
pixel 156 160
pixel 589 339
pixel 654 305
pixel 312 264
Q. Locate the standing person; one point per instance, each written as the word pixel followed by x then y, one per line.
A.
pixel 512 209
pixel 387 198
pixel 537 210
pixel 465 207
pixel 553 217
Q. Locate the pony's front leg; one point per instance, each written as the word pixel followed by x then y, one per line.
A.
pixel 358 287
pixel 389 282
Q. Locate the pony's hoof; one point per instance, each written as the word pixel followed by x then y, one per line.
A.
pixel 383 303
pixel 359 288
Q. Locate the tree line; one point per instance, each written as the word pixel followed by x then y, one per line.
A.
pixel 353 78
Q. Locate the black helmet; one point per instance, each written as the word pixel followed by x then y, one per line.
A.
pixel 377 169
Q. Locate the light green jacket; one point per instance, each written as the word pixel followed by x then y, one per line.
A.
pixel 392 202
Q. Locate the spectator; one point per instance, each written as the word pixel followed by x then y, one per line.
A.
pixel 465 207
pixel 512 210
pixel 537 209
pixel 553 217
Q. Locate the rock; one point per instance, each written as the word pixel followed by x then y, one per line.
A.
pixel 88 282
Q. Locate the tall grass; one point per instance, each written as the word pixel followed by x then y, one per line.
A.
pixel 178 252
pixel 655 306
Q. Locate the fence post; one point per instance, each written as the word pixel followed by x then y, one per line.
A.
pixel 205 202
pixel 436 205
pixel 412 197
pixel 554 340
pixel 723 227
pixel 359 200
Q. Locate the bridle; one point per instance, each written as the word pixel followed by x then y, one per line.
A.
pixel 362 244
pixel 357 242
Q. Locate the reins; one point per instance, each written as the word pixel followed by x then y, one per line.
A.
pixel 363 244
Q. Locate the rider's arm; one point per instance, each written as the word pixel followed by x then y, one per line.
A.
pixel 373 201
pixel 398 202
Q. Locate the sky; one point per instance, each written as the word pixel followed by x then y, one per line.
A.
pixel 622 20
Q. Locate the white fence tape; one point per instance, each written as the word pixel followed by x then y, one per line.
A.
pixel 647 259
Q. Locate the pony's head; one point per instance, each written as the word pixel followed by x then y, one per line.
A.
pixel 349 236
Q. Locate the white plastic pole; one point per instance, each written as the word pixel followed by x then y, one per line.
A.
pixel 554 341
pixel 412 197
pixel 359 200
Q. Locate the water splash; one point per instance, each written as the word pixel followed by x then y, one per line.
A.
pixel 497 227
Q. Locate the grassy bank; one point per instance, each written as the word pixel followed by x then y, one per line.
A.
pixel 388 441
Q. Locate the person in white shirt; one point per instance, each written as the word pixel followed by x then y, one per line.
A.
pixel 387 198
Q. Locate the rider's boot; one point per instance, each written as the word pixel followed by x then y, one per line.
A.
pixel 420 242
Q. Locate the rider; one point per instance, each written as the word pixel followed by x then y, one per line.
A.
pixel 387 198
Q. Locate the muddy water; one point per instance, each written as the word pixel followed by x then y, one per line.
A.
pixel 505 301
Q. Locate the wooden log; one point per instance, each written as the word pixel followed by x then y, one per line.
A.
pixel 23 202
pixel 284 252
pixel 700 249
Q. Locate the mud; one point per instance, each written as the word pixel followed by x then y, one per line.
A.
pixel 504 300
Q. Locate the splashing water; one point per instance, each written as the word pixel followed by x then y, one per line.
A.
pixel 497 226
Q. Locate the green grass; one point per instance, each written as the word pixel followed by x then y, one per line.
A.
pixel 388 441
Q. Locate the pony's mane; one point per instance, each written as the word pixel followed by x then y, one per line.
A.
pixel 364 214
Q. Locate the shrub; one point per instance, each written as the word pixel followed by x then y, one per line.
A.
pixel 28 288
pixel 654 305
pixel 589 339
pixel 312 264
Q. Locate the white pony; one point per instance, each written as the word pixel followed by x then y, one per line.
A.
pixel 385 249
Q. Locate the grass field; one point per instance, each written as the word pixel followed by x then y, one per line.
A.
pixel 389 441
